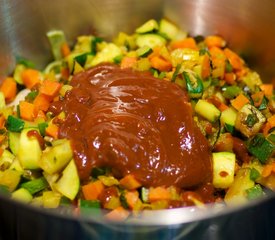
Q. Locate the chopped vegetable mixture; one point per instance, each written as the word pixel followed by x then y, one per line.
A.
pixel 232 107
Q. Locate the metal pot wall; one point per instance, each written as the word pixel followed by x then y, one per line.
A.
pixel 248 26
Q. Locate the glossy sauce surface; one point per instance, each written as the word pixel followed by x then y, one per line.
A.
pixel 134 123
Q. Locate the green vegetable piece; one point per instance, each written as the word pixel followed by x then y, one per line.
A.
pixel 229 128
pixel 42 128
pixel 228 67
pixel 144 51
pixel 89 207
pixel 4 190
pixel 117 59
pixel 148 26
pixel 15 124
pixel 96 171
pixel 194 84
pixel 23 61
pixel 35 185
pixel 31 96
pixel 56 39
pixel 14 138
pixel 150 40
pixel 254 174
pixel 123 200
pixel 94 42
pixel 207 110
pixel 64 201
pixel 81 59
pixel 261 148
pixel 17 73
pixel 231 92
pixel 22 195
pixel 264 104
pixel 251 120
pixel 145 194
pixel 254 192
pixel 168 29
pixel 176 73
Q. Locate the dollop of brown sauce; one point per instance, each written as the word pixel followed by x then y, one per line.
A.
pixel 134 123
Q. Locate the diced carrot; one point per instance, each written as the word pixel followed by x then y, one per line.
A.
pixel 217 53
pixel 230 78
pixel 52 130
pixel 160 64
pixel 27 111
pixel 159 193
pixel 271 120
pixel 129 182
pixel 206 67
pixel 132 198
pixel 241 73
pixel 42 102
pixel 239 101
pixel 50 88
pixel 65 49
pixel 267 89
pixel 128 62
pixel 214 41
pixel 257 98
pixel 30 77
pixel 234 59
pixel 9 89
pixel 268 169
pixel 266 128
pixel 2 121
pixel 185 43
pixel 118 214
pixel 92 190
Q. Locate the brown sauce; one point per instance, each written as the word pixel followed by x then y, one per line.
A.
pixel 134 123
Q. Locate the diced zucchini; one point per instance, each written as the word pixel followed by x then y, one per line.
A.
pixel 55 158
pixel 168 29
pixel 29 151
pixel 53 67
pixel 51 179
pixel 252 80
pixel 207 110
pixel 261 148
pixel 35 185
pixel 144 51
pixel 193 84
pixel 51 199
pixel 107 54
pixel 22 195
pixel 16 166
pixel 145 194
pixel 89 207
pixel 108 180
pixel 249 120
pixel 6 160
pixel 254 192
pixel 187 58
pixel 68 184
pixel 2 100
pixel 236 193
pixel 228 116
pixel 84 44
pixel 150 40
pixel 10 178
pixel 148 26
pixel 56 39
pixel 223 169
pixel 17 73
pixel 15 124
pixel 14 138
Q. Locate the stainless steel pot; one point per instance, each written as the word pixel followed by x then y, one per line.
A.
pixel 248 26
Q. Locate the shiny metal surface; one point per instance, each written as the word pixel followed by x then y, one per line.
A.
pixel 248 26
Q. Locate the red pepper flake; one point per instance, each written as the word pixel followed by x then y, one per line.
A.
pixel 223 173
